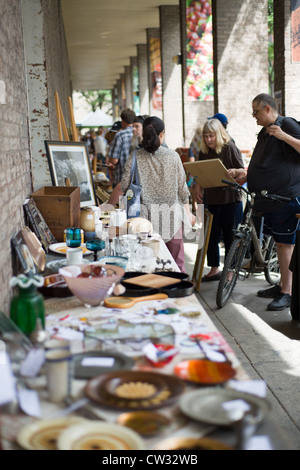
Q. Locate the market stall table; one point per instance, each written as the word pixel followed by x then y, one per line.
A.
pixel 84 327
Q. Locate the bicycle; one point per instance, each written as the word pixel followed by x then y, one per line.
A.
pixel 265 254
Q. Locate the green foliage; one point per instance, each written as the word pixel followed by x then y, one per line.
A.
pixel 98 99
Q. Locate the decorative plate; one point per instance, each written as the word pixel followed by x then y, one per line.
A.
pixel 60 263
pixel 97 389
pixel 205 372
pixel 99 436
pixel 61 249
pixel 206 405
pixel 43 434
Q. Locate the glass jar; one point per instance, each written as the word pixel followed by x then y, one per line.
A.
pixel 73 237
pixel 28 305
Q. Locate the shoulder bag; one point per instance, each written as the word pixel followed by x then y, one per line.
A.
pixel 133 193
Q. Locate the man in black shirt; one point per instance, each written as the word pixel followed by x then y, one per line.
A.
pixel 275 167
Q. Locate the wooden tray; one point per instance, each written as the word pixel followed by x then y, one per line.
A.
pixel 152 280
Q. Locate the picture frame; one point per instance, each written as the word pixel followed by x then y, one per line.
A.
pixel 70 160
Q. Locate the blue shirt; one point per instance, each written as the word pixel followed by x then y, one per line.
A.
pixel 119 150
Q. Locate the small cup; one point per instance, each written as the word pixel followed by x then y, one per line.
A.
pixel 58 374
pixel 54 344
pixel 74 255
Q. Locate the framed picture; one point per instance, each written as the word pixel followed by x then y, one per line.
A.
pixel 71 160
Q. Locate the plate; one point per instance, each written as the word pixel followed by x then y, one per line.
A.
pixel 130 386
pixel 61 249
pixel 192 443
pixel 43 434
pixel 96 390
pixel 60 263
pixel 99 436
pixel 205 372
pixel 206 405
pixel 112 361
pixel 146 423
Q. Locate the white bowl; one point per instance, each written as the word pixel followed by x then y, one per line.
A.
pixel 91 290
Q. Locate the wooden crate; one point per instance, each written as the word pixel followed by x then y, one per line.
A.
pixel 60 207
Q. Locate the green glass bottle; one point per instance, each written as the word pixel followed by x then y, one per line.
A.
pixel 28 305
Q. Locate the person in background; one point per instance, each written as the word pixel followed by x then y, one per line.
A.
pixel 100 145
pixel 120 146
pixel 165 195
pixel 137 127
pixel 223 203
pixel 195 144
pixel 222 118
pixel 109 137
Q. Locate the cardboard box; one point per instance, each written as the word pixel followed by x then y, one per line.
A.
pixel 60 207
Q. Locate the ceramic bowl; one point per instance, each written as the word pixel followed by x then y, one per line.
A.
pixel 91 290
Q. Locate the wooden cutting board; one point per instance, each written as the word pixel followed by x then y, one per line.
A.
pixel 152 280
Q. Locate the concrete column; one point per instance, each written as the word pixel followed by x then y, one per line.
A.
pixel 115 103
pixel 128 87
pixel 154 71
pixel 120 98
pixel 287 57
pixel 47 71
pixel 240 63
pixel 135 85
pixel 171 75
pixel 38 108
pixel 142 62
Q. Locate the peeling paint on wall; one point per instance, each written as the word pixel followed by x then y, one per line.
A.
pixel 2 92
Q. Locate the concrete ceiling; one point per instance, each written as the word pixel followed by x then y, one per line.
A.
pixel 102 36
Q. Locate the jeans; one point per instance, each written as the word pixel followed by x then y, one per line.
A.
pixel 225 218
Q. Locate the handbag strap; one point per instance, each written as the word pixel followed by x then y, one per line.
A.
pixel 134 172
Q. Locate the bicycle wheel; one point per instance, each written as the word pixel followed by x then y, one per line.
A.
pixel 272 269
pixel 231 270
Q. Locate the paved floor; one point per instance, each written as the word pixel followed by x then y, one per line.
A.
pixel 266 343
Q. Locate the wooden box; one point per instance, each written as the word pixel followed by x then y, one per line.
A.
pixel 60 207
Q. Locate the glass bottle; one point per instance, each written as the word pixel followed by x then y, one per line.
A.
pixel 28 305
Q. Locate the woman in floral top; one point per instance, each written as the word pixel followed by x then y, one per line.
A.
pixel 165 195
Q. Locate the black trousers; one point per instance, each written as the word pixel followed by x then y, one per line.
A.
pixel 295 268
pixel 226 218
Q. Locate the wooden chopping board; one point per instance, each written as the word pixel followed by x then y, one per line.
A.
pixel 152 280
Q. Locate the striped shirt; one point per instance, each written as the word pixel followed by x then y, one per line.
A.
pixel 119 150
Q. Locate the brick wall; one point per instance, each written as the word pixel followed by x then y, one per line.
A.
pixel 15 181
pixel 287 71
pixel 241 63
pixel 15 150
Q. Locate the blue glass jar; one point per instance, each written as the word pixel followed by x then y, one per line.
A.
pixel 73 237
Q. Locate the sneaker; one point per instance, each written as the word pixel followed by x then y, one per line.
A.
pixel 281 302
pixel 270 293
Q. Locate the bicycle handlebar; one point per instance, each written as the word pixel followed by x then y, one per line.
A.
pixel 274 197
